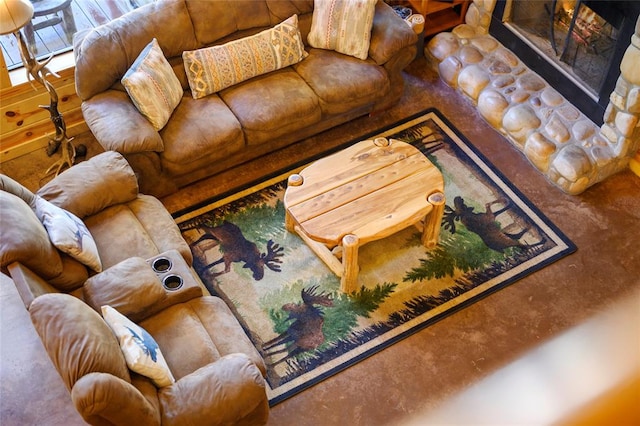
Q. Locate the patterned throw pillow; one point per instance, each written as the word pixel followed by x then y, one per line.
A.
pixel 68 233
pixel 141 352
pixel 212 69
pixel 343 26
pixel 153 86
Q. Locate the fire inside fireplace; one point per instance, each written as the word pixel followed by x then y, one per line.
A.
pixel 572 35
pixel 576 45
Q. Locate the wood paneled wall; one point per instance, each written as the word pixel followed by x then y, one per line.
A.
pixel 24 126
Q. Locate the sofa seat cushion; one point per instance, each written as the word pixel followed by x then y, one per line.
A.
pixel 286 104
pixel 199 132
pixel 142 228
pixel 196 333
pixel 330 75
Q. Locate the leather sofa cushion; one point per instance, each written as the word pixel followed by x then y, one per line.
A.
pixel 91 194
pixel 76 338
pixel 139 228
pixel 196 333
pixel 199 132
pixel 123 39
pixel 330 75
pixel 229 18
pixel 286 104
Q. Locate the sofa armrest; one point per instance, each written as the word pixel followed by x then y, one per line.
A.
pixel 28 284
pixel 389 35
pixel 223 392
pixel 118 125
pixel 93 185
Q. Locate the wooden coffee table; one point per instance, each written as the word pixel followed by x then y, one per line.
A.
pixel 363 193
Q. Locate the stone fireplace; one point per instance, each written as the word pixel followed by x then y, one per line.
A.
pixel 560 79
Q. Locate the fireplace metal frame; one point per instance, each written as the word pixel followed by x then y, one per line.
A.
pixel 592 108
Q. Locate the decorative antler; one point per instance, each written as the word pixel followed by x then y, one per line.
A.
pixel 39 71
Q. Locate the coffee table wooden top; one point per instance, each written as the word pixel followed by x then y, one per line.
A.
pixel 368 190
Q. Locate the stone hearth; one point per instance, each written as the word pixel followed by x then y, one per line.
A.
pixel 559 140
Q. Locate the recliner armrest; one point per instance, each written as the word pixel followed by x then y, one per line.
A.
pixel 227 390
pixel 28 284
pixel 113 109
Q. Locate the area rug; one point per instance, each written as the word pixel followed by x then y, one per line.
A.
pixel 289 302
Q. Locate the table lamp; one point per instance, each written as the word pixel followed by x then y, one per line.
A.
pixel 15 14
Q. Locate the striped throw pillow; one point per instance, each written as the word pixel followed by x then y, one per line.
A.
pixel 153 86
pixel 343 26
pixel 214 68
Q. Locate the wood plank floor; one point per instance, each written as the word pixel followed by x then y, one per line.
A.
pixel 86 13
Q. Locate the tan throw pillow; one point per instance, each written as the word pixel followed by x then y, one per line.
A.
pixel 140 350
pixel 343 26
pixel 212 69
pixel 153 86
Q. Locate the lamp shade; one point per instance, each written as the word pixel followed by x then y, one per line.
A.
pixel 14 14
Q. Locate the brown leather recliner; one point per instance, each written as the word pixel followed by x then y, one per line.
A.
pixel 103 192
pixel 218 372
pixel 217 383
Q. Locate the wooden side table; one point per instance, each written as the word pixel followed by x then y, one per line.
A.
pixel 366 192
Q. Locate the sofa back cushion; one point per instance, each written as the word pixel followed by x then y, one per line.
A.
pixel 214 20
pixel 92 194
pixel 105 53
pixel 76 338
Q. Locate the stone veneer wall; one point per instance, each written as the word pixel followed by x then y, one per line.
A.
pixel 567 147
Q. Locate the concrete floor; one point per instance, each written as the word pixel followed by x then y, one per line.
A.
pixel 559 346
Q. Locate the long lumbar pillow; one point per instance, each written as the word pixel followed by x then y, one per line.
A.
pixel 214 68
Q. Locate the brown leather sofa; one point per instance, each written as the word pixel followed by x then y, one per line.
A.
pixel 219 375
pixel 206 136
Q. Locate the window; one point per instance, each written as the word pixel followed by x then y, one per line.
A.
pixel 55 21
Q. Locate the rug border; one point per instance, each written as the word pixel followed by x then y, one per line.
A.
pixel 570 246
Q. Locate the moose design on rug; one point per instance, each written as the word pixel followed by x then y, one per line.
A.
pixel 486 225
pixel 234 247
pixel 305 332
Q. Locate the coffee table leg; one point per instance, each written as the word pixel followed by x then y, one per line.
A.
pixel 349 281
pixel 431 230
pixel 294 180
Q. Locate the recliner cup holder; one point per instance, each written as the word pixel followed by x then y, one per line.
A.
pixel 161 264
pixel 172 282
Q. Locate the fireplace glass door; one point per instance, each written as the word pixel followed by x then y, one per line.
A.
pixel 578 36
